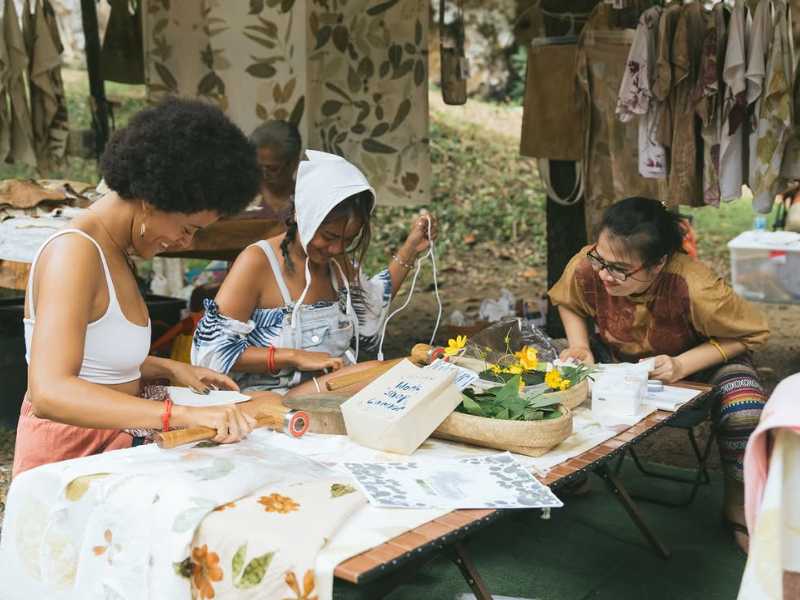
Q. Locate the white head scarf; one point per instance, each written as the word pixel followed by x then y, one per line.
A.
pixel 323 182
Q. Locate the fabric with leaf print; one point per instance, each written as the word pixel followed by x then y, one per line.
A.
pixel 352 75
pixel 127 518
pixel 268 543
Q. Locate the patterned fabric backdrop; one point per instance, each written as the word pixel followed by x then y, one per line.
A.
pixel 352 74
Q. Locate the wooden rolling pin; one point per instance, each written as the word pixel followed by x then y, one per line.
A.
pixel 292 422
pixel 419 356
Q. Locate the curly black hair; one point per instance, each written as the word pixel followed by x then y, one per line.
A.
pixel 183 156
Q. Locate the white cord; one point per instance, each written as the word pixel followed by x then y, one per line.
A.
pixel 432 254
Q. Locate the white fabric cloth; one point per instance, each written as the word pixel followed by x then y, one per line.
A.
pixel 636 98
pixel 732 173
pixel 775 543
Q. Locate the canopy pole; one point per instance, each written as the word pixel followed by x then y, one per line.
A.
pixel 566 233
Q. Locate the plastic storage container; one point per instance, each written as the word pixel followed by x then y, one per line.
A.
pixel 765 266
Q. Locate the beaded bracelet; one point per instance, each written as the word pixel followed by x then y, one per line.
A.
pixel 401 262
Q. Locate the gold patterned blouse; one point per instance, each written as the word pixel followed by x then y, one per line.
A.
pixel 686 305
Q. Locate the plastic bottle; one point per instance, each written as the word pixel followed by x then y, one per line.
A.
pixel 760 223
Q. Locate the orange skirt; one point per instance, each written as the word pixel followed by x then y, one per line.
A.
pixel 42 441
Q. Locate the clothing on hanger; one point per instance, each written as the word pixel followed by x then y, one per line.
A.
pixel 122 54
pixel 636 97
pixel 21 132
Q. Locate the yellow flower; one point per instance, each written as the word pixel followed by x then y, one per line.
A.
pixel 564 385
pixel 514 369
pixel 279 504
pixel 528 358
pixel 454 346
pixel 496 369
pixel 553 379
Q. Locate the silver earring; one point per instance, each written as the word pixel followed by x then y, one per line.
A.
pixel 142 229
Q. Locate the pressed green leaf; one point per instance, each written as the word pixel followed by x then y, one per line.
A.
pixel 183 568
pixel 418 33
pixel 358 128
pixel 353 80
pixel 395 55
pixel 472 407
pixel 237 563
pixel 331 107
pixel 419 73
pixel 256 6
pixel 341 489
pixel 341 37
pixel 371 145
pixel 261 112
pixel 379 130
pixel 263 70
pixel 323 35
pixel 268 44
pixel 382 7
pixel 334 88
pixel 402 112
pixel 167 77
pixel 297 112
pixel 254 571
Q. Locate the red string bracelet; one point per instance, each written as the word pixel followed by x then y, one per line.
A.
pixel 271 360
pixel 166 415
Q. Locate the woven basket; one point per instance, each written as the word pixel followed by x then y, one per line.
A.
pixel 532 438
pixel 572 397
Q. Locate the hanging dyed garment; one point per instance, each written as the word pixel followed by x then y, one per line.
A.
pixel 761 33
pixel 663 77
pixel 21 133
pixel 775 114
pixel 686 150
pixel 352 76
pixel 5 115
pixel 48 102
pixel 636 96
pixel 790 169
pixel 122 56
pixel 611 160
pixel 734 108
pixel 708 96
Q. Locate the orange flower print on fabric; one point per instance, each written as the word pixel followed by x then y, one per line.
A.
pixel 308 586
pixel 205 570
pixel 279 504
pixel 110 549
pixel 222 507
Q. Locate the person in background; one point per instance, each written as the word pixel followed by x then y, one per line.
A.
pixel 645 297
pixel 279 147
pixel 175 169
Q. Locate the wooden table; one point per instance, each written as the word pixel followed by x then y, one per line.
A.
pixel 381 569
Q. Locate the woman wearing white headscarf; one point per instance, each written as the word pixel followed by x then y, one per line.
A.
pixel 299 302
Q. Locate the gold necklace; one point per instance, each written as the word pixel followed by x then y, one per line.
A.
pixel 128 259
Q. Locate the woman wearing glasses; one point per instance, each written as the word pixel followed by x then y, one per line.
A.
pixel 646 298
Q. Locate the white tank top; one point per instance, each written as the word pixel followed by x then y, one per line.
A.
pixel 114 348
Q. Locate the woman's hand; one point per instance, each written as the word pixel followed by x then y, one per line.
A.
pixel 231 423
pixel 579 353
pixel 418 241
pixel 305 360
pixel 199 379
pixel 667 369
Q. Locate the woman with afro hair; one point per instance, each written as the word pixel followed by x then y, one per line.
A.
pixel 175 169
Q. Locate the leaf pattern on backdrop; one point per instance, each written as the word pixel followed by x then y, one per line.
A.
pixel 351 74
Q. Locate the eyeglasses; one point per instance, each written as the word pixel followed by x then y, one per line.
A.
pixel 598 264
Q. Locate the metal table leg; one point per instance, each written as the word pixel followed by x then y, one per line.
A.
pixel 619 491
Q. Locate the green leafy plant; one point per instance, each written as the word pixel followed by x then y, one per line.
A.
pixel 507 402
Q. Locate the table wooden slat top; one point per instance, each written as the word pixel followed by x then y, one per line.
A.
pixel 456 524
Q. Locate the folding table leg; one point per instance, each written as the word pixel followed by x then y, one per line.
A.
pixel 467 567
pixel 619 491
